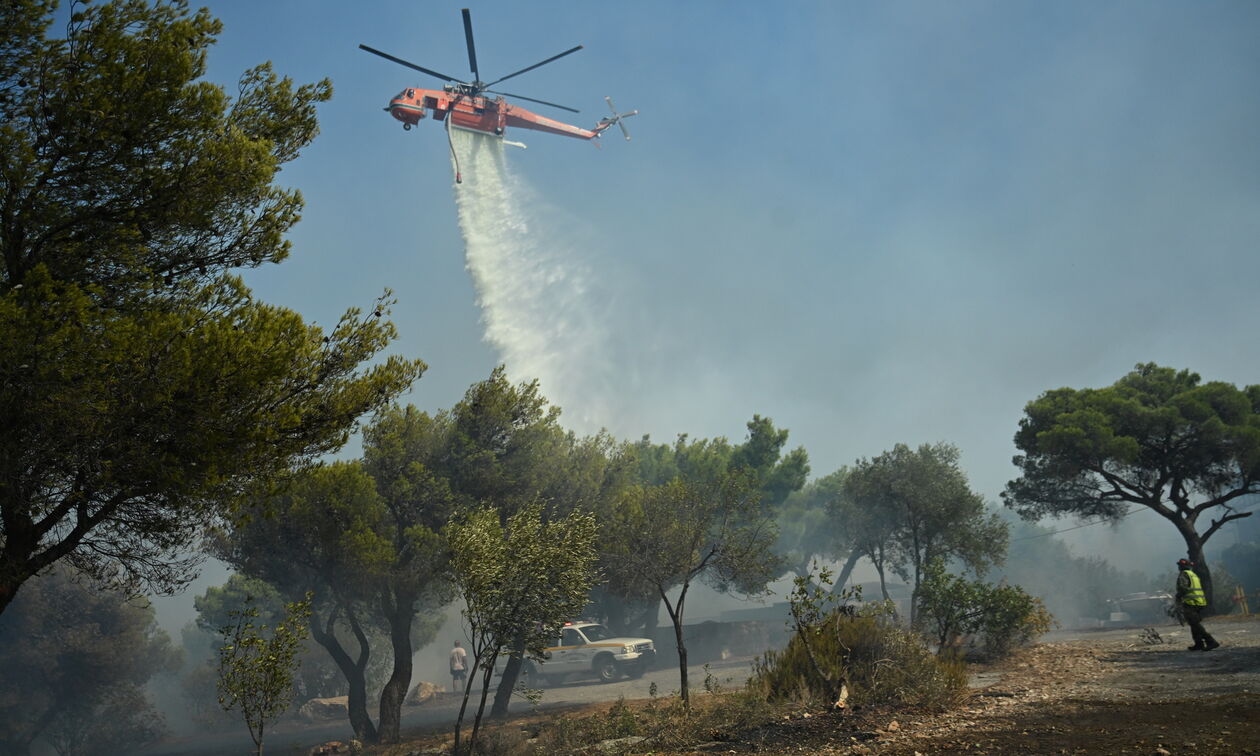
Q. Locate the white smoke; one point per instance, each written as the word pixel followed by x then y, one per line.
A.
pixel 540 308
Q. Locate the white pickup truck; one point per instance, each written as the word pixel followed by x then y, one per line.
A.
pixel 588 649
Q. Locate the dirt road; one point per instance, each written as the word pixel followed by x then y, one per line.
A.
pixel 293 735
pixel 1112 692
pixel 1109 692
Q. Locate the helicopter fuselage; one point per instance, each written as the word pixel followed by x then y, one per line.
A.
pixel 478 113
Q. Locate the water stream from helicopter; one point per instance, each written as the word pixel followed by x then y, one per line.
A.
pixel 538 309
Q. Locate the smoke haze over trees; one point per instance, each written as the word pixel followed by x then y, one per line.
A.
pixel 147 395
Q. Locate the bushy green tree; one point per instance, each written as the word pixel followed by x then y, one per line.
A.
pixel 683 532
pixel 507 450
pixel 120 720
pixel 520 581
pixel 142 386
pixel 330 533
pixel 1003 616
pixel 74 660
pixel 920 504
pixel 759 460
pixel 809 527
pixel 316 676
pixel 1157 438
pixel 404 451
pixel 256 665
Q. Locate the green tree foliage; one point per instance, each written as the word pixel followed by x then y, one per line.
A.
pixel 404 451
pixel 316 677
pixel 684 531
pixel 919 505
pixel 256 666
pixel 502 441
pixel 759 460
pixel 507 450
pixel 1157 438
pixel 1003 616
pixel 142 385
pixel 75 658
pixel 520 582
pixel 332 533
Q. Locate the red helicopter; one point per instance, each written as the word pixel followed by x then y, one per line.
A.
pixel 463 104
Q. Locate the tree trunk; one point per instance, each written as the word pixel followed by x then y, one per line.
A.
pixel 354 672
pixel 473 667
pixel 15 551
pixel 1194 552
pixel 682 662
pixel 846 570
pixel 481 707
pixel 399 613
pixel 676 616
pixel 883 584
pixel 507 684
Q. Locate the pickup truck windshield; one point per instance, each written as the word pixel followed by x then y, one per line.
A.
pixel 595 633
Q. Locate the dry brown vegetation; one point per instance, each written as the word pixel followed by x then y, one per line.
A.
pixel 1105 693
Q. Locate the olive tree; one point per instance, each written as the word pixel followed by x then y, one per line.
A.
pixel 686 531
pixel 919 503
pixel 520 582
pixel 256 665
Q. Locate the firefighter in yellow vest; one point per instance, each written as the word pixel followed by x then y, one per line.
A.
pixel 1193 603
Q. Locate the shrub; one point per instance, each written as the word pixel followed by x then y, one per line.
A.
pixel 1003 617
pixel 864 652
pixel 878 661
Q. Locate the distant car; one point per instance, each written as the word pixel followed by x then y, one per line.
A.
pixel 587 649
pixel 1140 607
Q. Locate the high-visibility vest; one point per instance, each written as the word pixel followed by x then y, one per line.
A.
pixel 1192 589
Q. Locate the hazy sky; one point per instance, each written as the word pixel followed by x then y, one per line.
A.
pixel 874 222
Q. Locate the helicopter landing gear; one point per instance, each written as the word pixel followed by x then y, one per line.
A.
pixel 406 127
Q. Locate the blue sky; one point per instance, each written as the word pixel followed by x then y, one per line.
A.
pixel 874 222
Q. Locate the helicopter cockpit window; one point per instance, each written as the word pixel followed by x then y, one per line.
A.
pixel 411 93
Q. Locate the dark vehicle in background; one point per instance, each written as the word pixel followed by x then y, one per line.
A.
pixel 1140 608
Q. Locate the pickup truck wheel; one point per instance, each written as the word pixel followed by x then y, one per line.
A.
pixel 606 668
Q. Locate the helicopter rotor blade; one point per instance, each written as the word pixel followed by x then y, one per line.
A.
pixel 536 65
pixel 531 99
pixel 472 51
pixel 408 64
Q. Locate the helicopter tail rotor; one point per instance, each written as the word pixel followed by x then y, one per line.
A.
pixel 616 118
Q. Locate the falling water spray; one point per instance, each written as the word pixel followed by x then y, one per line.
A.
pixel 535 293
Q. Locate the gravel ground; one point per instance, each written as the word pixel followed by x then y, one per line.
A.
pixel 1111 692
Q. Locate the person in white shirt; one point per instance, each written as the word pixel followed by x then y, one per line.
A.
pixel 459 666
